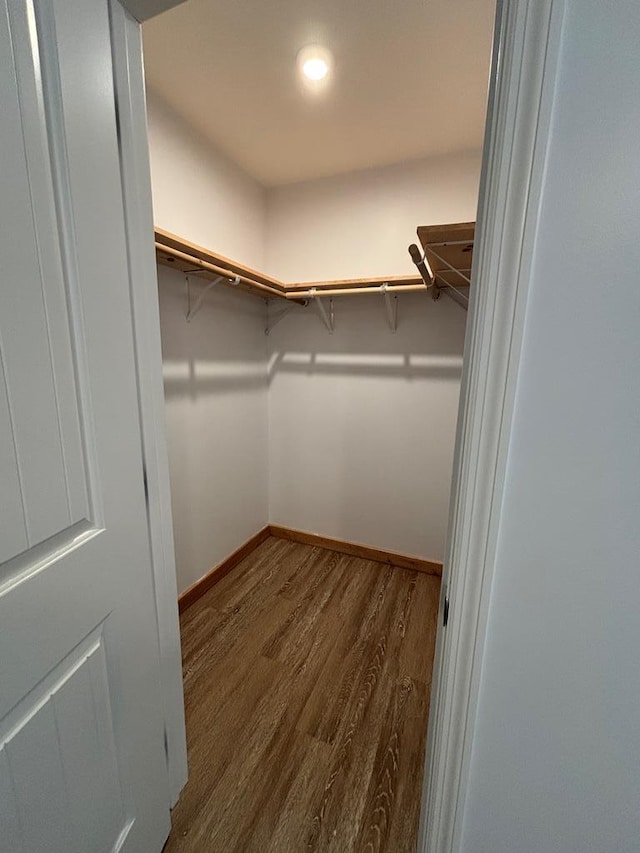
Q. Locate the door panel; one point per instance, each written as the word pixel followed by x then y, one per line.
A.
pixel 82 762
pixel 60 756
pixel 39 397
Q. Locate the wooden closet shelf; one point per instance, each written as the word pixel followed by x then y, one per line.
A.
pixel 208 272
pixel 180 254
pixel 170 241
pixel 449 249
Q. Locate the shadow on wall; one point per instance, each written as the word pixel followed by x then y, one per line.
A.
pixel 428 342
pixel 399 365
pixel 224 347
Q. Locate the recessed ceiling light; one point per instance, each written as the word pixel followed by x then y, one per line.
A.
pixel 314 62
pixel 315 69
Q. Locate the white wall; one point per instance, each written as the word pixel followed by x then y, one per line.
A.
pixel 214 367
pixel 362 422
pixel 357 225
pixel 215 379
pixel 556 756
pixel 201 195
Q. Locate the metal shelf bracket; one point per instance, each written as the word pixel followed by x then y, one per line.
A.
pixel 273 320
pixel 192 309
pixel 327 319
pixel 391 304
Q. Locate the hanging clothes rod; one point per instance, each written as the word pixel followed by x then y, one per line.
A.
pixel 232 277
pixel 424 268
pixel 422 264
pixel 354 291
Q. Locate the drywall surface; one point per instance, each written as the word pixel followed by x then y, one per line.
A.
pixel 215 380
pixel 358 225
pixel 362 422
pixel 556 756
pixel 199 194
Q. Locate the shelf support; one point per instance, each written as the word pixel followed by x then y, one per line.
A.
pixel 464 277
pixel 192 310
pixel 273 321
pixel 391 304
pixel 327 319
pixel 460 298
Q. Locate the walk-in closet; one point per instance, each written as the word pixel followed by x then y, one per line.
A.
pixel 319 408
pixel 315 171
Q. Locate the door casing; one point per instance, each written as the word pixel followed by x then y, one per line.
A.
pixel 525 53
pixel 126 40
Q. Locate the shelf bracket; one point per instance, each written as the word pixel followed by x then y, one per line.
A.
pixel 458 272
pixel 272 321
pixel 192 309
pixel 460 298
pixel 391 304
pixel 327 319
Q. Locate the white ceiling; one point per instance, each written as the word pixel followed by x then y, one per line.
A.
pixel 410 80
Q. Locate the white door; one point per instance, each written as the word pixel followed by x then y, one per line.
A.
pixel 82 762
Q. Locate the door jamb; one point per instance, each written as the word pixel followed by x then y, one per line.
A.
pixel 524 63
pixel 519 116
pixel 129 87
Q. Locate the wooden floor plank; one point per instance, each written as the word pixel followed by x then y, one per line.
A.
pixel 416 656
pixel 342 683
pixel 362 722
pixel 307 677
pixel 406 804
pixel 379 811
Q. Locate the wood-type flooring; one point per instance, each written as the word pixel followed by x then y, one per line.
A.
pixel 307 676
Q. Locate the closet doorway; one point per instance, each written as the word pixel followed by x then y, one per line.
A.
pixel 315 173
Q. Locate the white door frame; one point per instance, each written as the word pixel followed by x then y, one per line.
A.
pixel 526 47
pixel 136 191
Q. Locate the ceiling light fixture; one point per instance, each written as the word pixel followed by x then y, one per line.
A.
pixel 314 63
